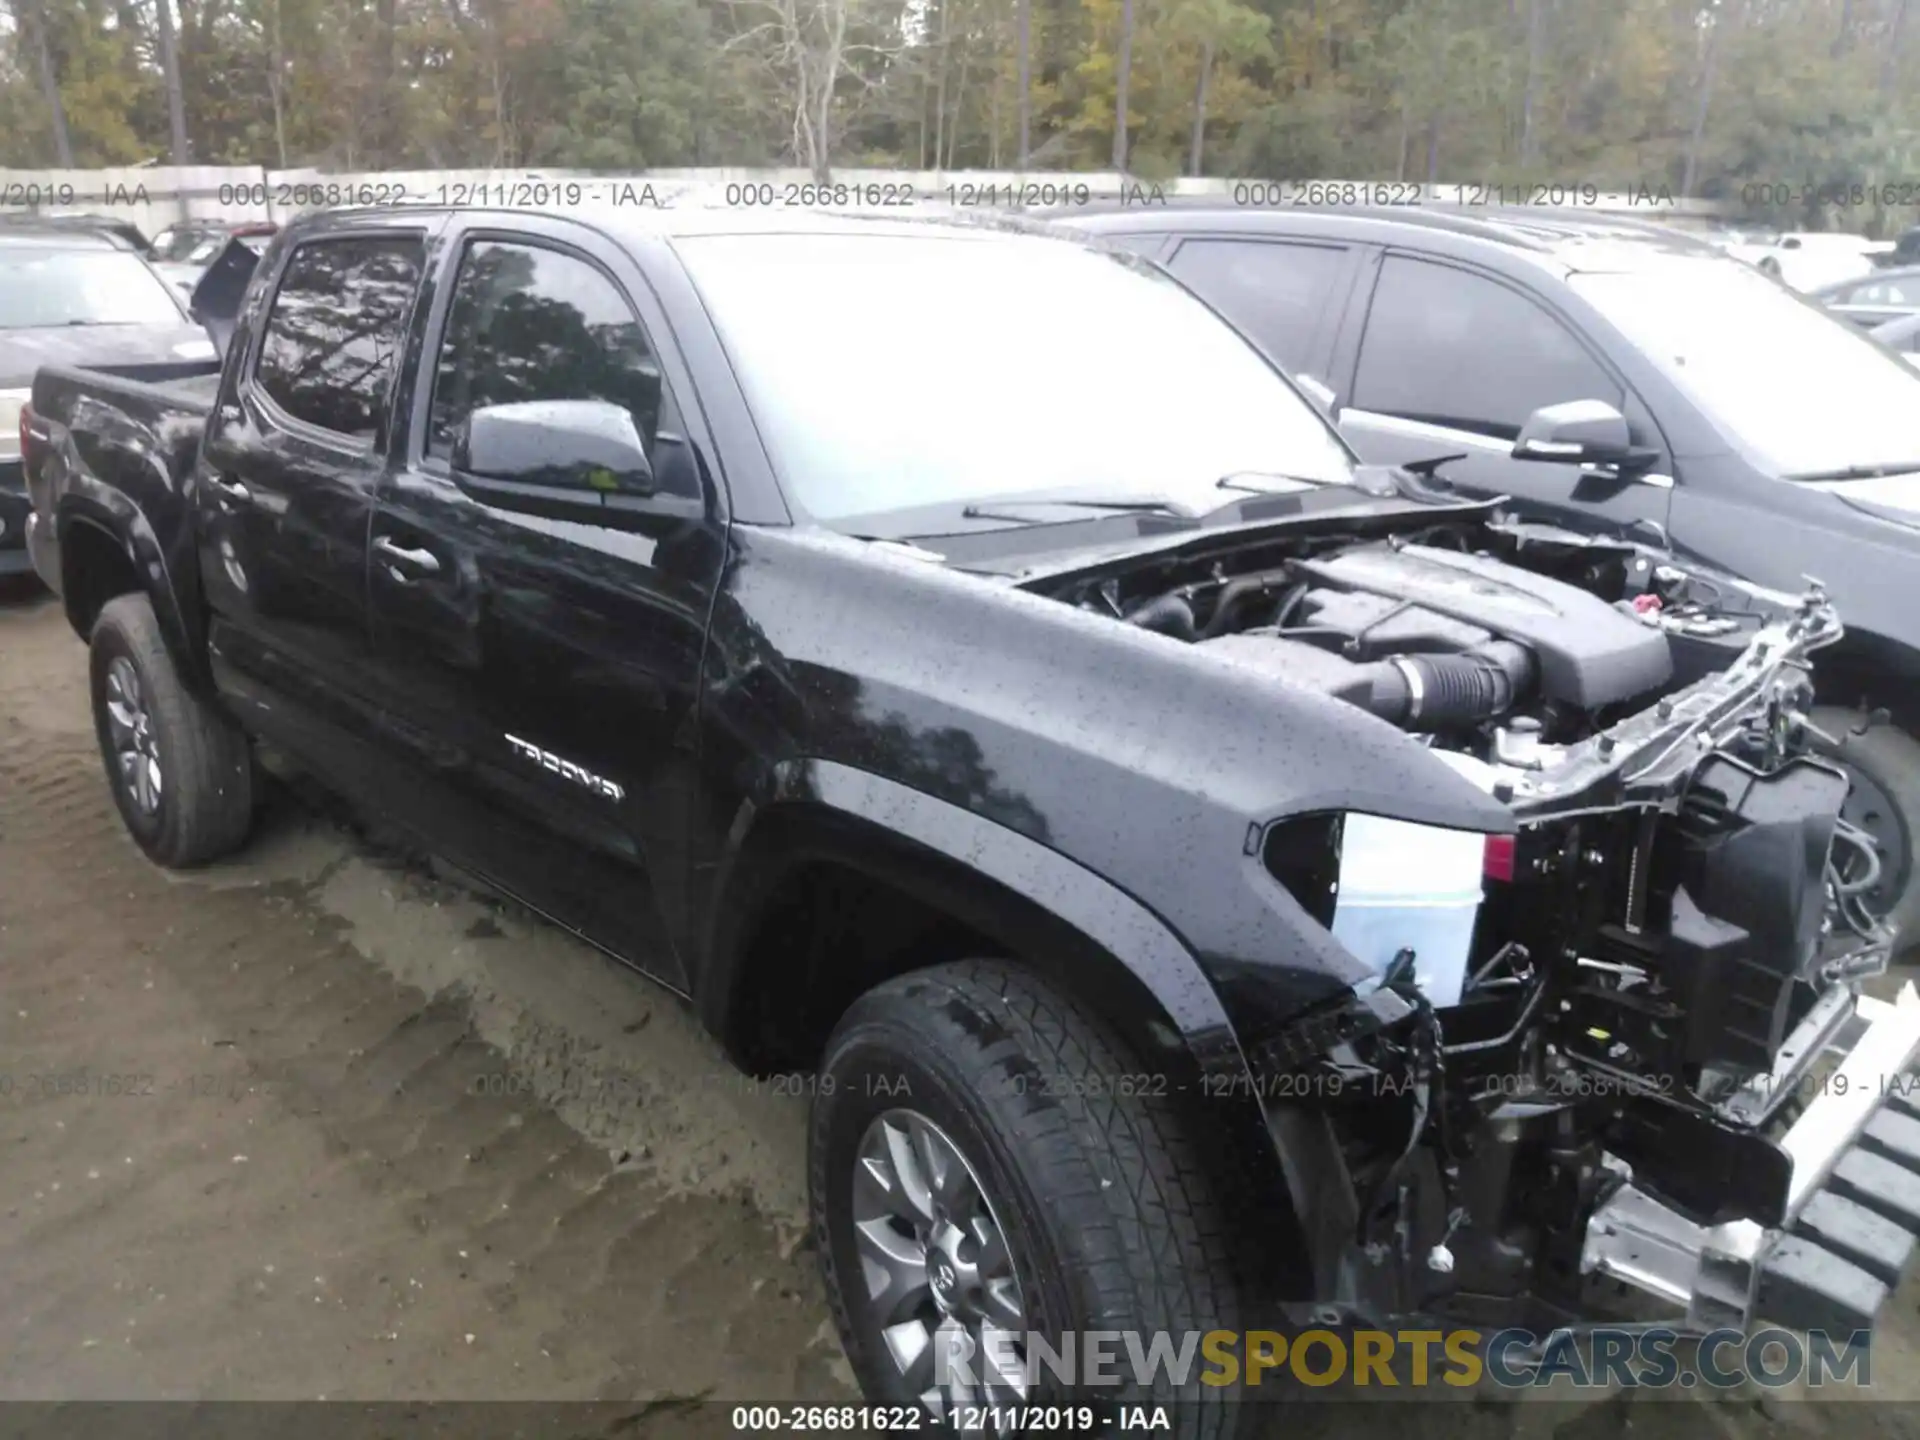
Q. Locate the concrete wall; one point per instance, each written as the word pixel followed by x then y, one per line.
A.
pixel 155 196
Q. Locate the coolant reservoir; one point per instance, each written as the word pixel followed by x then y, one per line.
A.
pixel 1413 887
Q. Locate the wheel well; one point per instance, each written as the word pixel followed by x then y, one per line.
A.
pixel 824 908
pixel 94 568
pixel 1872 671
pixel 826 933
pixel 831 927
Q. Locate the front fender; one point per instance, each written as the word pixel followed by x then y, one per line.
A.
pixel 993 878
pixel 1091 938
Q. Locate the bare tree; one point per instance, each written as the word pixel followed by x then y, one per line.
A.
pixel 170 70
pixel 1124 68
pixel 1200 106
pixel 804 44
pixel 1529 132
pixel 1721 20
pixel 1026 81
pixel 1890 63
pixel 36 11
pixel 277 82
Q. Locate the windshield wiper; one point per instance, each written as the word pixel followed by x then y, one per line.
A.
pixel 1858 472
pixel 1237 481
pixel 995 509
pixel 902 546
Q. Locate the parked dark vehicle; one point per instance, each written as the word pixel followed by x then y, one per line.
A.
pixel 962 666
pixel 1906 248
pixel 1889 295
pixel 1749 430
pixel 70 297
pixel 117 226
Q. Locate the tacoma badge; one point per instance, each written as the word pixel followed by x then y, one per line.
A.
pixel 547 760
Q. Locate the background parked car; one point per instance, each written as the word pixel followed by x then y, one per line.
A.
pixel 128 233
pixel 1902 335
pixel 1885 295
pixel 183 252
pixel 1810 259
pixel 1756 432
pixel 71 297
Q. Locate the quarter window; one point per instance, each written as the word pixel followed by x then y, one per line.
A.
pixel 527 323
pixel 1452 348
pixel 1272 291
pixel 333 337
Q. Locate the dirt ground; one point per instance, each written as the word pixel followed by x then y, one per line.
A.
pixel 315 1124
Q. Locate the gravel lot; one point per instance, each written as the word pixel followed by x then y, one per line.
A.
pixel 318 1124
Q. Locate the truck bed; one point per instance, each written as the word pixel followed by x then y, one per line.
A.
pixel 138 429
pixel 173 385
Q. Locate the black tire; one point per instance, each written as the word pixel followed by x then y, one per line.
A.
pixel 203 805
pixel 1887 759
pixel 1092 1177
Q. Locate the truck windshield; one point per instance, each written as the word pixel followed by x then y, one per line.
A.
pixel 43 287
pixel 1805 393
pixel 891 371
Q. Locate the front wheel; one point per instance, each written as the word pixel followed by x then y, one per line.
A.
pixel 1883 799
pixel 993 1182
pixel 181 771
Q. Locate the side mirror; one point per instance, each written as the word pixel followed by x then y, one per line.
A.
pixel 1581 432
pixel 1317 391
pixel 571 460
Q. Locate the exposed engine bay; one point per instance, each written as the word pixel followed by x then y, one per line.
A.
pixel 1645 973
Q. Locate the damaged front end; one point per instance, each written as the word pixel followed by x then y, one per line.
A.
pixel 1658 1070
pixel 1622 1051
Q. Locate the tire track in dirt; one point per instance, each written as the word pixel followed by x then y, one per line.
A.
pixel 328 1183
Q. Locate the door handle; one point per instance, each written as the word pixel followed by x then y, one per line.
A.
pixel 232 489
pixel 424 561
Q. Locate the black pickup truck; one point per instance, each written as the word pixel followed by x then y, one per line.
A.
pixel 1210 882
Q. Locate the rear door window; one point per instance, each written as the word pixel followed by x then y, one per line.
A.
pixel 1448 347
pixel 333 337
pixel 1273 290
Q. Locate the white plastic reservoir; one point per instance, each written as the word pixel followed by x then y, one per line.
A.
pixel 1413 887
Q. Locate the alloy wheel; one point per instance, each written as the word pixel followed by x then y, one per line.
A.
pixel 136 748
pixel 942 1291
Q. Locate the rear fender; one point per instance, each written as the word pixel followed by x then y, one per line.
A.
pixel 118 523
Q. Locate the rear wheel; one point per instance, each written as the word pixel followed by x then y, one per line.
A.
pixel 1883 799
pixel 181 772
pixel 989 1168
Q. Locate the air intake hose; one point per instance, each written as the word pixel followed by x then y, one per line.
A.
pixel 1442 691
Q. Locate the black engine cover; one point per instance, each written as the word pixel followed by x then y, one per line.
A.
pixel 1589 653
